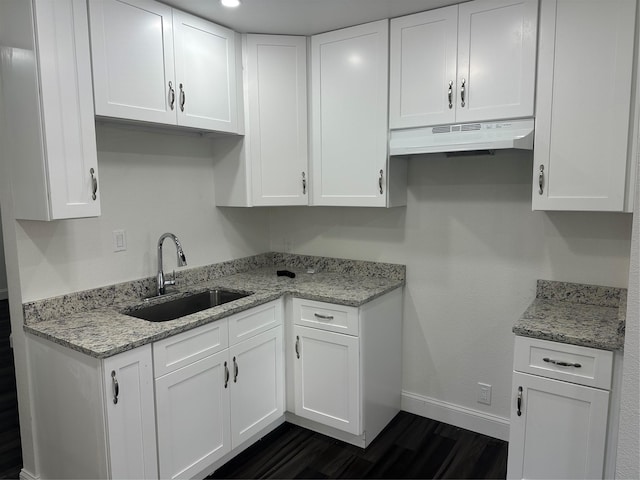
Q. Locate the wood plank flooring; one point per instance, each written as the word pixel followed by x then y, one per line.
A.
pixel 410 447
pixel 10 447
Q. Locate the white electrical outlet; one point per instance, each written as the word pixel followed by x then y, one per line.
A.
pixel 484 393
pixel 119 241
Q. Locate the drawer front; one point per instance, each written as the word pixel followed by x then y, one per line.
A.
pixel 326 316
pixel 257 320
pixel 185 348
pixel 561 361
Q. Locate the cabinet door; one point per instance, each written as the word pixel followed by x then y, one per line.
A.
pixel 47 100
pixel 277 119
pixel 327 378
pixel 422 86
pixel 132 50
pixel 257 389
pixel 193 416
pixel 128 387
pixel 349 89
pixel 561 430
pixel 496 59
pixel 205 74
pixel 582 121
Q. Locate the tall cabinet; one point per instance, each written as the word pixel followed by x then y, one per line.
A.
pixel 349 92
pixel 50 143
pixel 581 155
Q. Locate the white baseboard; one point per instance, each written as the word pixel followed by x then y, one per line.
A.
pixel 24 475
pixel 456 415
pixel 4 293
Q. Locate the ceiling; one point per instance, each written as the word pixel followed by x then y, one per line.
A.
pixel 302 17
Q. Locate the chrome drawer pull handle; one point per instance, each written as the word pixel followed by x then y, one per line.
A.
pixel 183 98
pixel 380 181
pixel 235 370
pixel 519 401
pixel 94 183
pixel 462 94
pixel 304 184
pixel 226 375
pixel 541 180
pixel 116 387
pixel 561 363
pixel 450 94
pixel 172 96
pixel 323 317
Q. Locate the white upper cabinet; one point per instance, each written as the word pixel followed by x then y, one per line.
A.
pixel 269 166
pixel 50 143
pixel 132 47
pixel 349 91
pixel 423 68
pixel 466 63
pixel 583 105
pixel 205 74
pixel 152 63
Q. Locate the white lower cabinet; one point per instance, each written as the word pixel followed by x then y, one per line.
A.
pixel 216 387
pixel 558 416
pixel 95 418
pixel 193 417
pixel 327 376
pixel 347 366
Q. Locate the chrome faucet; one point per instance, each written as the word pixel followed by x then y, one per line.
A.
pixel 182 261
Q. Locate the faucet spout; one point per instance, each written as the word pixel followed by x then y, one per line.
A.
pixel 182 261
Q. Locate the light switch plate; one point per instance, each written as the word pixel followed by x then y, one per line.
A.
pixel 119 241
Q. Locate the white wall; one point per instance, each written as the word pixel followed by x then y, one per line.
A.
pixel 628 461
pixel 473 251
pixel 150 183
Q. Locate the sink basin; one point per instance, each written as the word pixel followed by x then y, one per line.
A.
pixel 182 306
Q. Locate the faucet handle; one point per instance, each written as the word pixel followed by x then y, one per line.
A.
pixel 172 281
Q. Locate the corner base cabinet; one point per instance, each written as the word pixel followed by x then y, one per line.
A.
pixel 347 366
pixel 559 410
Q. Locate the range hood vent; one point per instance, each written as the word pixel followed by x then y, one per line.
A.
pixel 466 137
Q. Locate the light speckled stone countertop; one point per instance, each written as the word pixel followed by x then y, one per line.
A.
pixel 586 315
pixel 93 321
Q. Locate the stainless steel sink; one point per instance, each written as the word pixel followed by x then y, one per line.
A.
pixel 179 307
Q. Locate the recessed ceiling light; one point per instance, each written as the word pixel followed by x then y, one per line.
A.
pixel 230 3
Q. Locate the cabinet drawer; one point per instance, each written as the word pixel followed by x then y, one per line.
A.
pixel 560 361
pixel 326 316
pixel 185 348
pixel 257 320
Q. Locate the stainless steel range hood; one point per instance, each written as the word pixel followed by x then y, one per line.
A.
pixel 465 137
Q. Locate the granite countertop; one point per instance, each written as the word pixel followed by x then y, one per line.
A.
pixel 577 314
pixel 93 322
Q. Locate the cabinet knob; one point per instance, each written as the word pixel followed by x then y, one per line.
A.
pixel 172 96
pixel 115 386
pixel 462 93
pixel 541 180
pixel 94 184
pixel 183 98
pixel 450 94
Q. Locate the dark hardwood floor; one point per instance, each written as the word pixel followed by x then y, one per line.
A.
pixel 10 447
pixel 410 447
